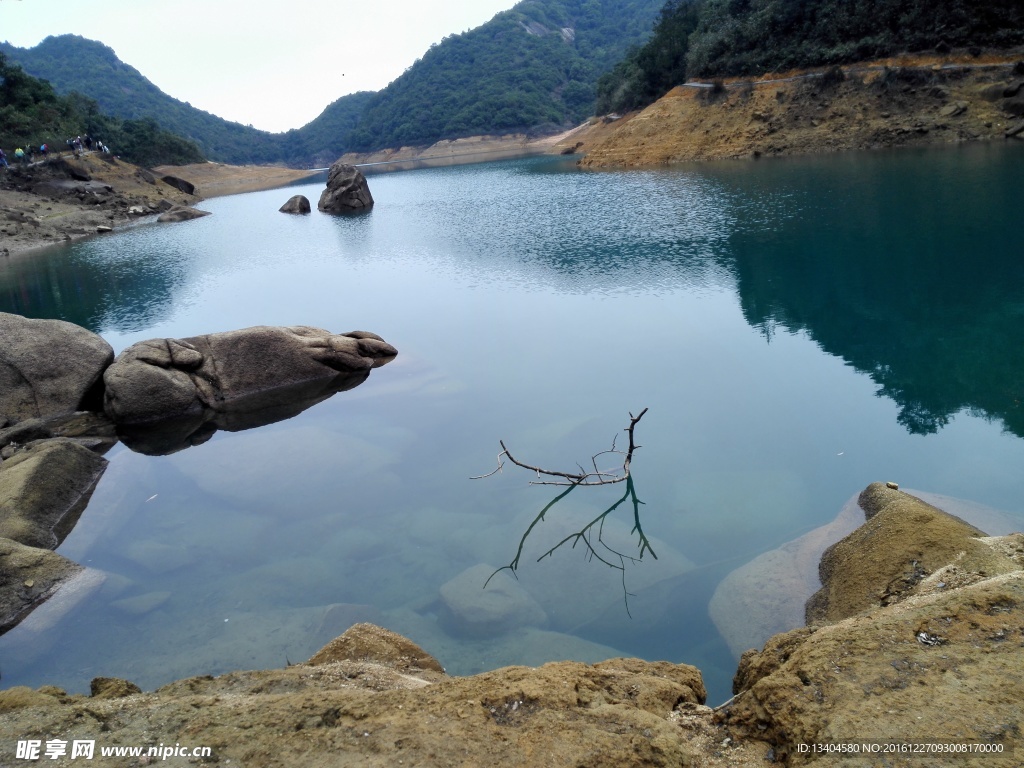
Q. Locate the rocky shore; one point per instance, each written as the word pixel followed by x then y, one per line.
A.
pixel 65 199
pixel 915 641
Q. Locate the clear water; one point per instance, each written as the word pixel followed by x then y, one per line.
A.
pixel 798 329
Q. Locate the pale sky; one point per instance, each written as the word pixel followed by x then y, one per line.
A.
pixel 272 65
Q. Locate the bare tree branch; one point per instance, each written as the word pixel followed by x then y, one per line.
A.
pixel 597 477
pixel 590 535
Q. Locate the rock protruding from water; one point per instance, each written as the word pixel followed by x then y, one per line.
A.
pixel 296 204
pixel 884 560
pixel 347 191
pixel 31 575
pixel 181 213
pixel 47 367
pixel 247 370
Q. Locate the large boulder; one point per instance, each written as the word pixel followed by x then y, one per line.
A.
pixel 44 488
pixel 347 191
pixel 296 204
pixel 48 367
pixel 244 372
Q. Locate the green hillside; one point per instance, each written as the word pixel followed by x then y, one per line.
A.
pixel 32 114
pixel 73 63
pixel 532 68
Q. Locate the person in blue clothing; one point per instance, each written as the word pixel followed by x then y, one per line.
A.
pixel 3 159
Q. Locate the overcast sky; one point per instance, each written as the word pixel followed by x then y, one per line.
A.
pixel 273 65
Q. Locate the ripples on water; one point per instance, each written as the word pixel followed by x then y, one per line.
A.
pixel 798 329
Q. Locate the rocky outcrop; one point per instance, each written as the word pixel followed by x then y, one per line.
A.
pixel 368 642
pixel 347 191
pixel 181 213
pixel 296 204
pixel 47 367
pixel 242 371
pixel 883 561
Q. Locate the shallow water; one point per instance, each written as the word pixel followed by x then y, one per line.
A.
pixel 798 328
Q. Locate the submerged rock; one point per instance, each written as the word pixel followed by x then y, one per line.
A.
pixel 347 191
pixel 44 489
pixel 470 610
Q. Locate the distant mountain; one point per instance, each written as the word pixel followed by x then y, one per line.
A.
pixel 73 63
pixel 533 68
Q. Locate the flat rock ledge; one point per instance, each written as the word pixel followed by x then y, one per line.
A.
pixel 939 662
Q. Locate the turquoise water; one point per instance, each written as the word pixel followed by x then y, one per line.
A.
pixel 798 329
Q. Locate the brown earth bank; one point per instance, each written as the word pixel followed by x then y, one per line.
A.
pixel 908 101
pixel 915 659
pixel 217 179
pixel 68 198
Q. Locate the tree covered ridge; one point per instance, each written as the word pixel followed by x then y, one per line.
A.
pixel 33 114
pixel 533 67
pixel 720 38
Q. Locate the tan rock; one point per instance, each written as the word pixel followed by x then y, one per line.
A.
pixel 368 642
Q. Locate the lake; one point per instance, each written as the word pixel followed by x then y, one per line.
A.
pixel 798 328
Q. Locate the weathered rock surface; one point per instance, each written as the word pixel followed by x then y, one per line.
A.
pixel 48 367
pixel 945 667
pixel 347 191
pixel 296 204
pixel 181 213
pixel 43 490
pixel 368 642
pixel 622 712
pixel 903 540
pixel 470 610
pixel 28 576
pixel 243 371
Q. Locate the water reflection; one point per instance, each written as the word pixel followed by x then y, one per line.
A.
pixel 921 292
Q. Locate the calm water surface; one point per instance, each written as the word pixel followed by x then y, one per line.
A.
pixel 798 329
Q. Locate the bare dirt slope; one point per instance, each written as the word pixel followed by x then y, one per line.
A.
pixel 216 179
pixel 919 101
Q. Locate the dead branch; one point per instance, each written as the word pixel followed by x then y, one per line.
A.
pixel 589 536
pixel 597 477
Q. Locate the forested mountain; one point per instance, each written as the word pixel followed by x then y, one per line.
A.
pixel 32 114
pixel 73 63
pixel 718 38
pixel 532 68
